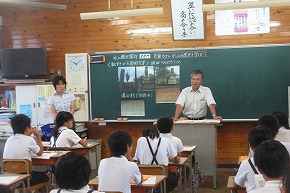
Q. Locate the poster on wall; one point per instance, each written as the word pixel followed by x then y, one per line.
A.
pixel 187 19
pixel 241 21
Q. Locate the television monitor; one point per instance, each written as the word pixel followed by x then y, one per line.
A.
pixel 23 63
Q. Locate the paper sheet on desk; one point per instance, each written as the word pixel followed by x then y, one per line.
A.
pixel 90 144
pixel 7 179
pixel 145 177
pixel 188 148
pixel 45 155
pixel 150 180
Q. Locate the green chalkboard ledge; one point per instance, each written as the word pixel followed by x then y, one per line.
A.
pixel 104 122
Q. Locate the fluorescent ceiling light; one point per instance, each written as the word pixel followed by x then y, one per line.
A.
pixel 121 13
pixel 245 5
pixel 20 3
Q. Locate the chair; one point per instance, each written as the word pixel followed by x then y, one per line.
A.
pixel 22 166
pixel 155 169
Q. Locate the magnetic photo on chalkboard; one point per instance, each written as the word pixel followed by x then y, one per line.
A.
pixel 167 83
pixel 145 78
pixel 126 78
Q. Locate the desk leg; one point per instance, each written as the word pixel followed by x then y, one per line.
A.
pixel 180 179
pixel 190 171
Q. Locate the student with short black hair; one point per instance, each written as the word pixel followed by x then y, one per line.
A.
pixel 271 158
pixel 247 169
pixel 165 127
pixel 283 134
pixel 115 172
pixel 285 188
pixel 72 174
pixel 273 123
pixel 62 134
pixel 152 149
pixel 22 144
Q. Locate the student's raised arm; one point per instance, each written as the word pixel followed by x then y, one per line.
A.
pixel 84 142
pixel 176 159
pixel 38 140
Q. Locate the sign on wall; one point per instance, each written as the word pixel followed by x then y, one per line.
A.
pixel 187 19
pixel 242 21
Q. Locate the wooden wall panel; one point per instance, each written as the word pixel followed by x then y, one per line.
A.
pixel 64 32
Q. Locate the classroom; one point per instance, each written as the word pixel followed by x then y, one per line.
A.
pixel 63 31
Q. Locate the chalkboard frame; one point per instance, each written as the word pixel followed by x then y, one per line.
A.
pixel 275 81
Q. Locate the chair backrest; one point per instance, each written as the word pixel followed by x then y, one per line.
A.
pixel 20 166
pixel 153 169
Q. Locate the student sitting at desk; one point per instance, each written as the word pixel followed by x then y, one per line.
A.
pixel 247 170
pixel 273 123
pixel 72 174
pixel 165 127
pixel 283 134
pixel 151 149
pixel 115 172
pixel 271 158
pixel 62 134
pixel 21 144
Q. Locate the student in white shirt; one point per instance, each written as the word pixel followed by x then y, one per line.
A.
pixel 115 172
pixel 271 158
pixel 72 174
pixel 22 144
pixel 62 134
pixel 165 127
pixel 152 149
pixel 283 134
pixel 246 173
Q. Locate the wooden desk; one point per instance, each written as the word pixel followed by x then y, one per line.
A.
pixel 203 134
pixel 85 150
pixel 181 169
pixel 189 152
pixel 20 179
pixel 77 148
pixel 45 159
pixel 136 188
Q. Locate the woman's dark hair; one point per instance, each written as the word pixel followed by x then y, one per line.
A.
pixel 150 132
pixel 60 119
pixel 72 171
pixel 57 79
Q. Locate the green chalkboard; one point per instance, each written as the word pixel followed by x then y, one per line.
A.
pixel 246 82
